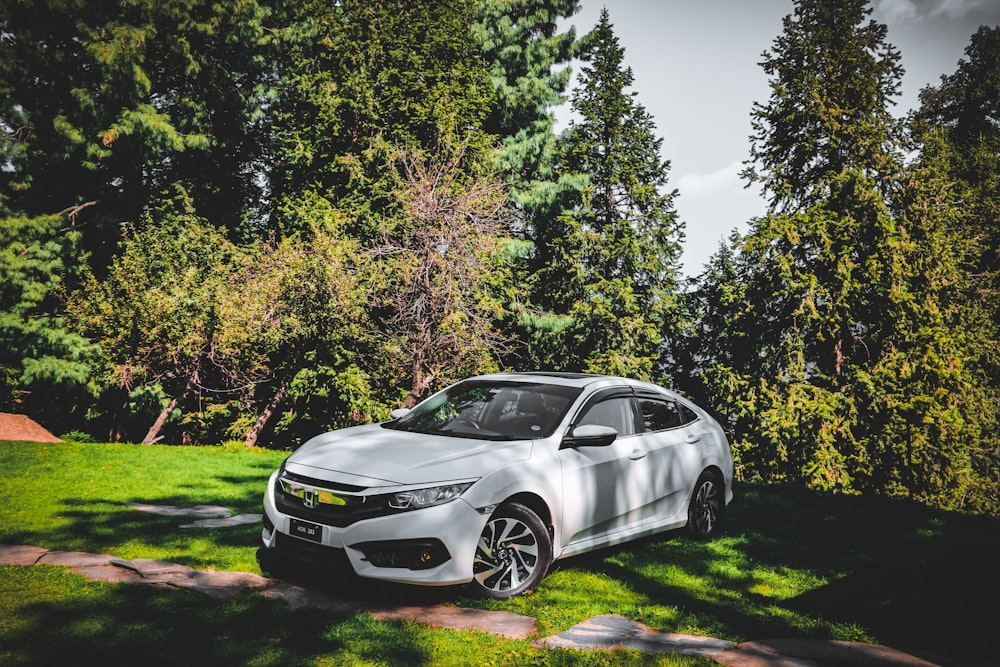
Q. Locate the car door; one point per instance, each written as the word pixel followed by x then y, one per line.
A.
pixel 672 437
pixel 606 487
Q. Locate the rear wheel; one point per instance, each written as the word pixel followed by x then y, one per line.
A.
pixel 705 507
pixel 513 553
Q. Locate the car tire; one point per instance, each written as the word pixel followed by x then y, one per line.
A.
pixel 513 553
pixel 705 508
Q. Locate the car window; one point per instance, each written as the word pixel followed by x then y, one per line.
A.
pixel 614 412
pixel 687 414
pixel 658 415
pixel 491 411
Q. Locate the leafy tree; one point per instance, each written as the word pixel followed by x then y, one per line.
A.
pixel 610 261
pixel 364 75
pixel 156 313
pixel 438 269
pixel 293 328
pixel 814 267
pixel 42 362
pixel 114 101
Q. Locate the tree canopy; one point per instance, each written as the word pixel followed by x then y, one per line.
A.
pixel 257 220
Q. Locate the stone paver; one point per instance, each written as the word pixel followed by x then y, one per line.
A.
pixel 805 653
pixel 600 632
pixel 612 631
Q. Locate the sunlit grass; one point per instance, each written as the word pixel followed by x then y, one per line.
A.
pixel 788 563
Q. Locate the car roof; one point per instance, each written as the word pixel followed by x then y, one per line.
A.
pixel 566 379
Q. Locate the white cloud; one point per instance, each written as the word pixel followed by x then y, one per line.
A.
pixel 913 11
pixel 726 179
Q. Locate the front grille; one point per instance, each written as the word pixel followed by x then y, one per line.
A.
pixel 354 508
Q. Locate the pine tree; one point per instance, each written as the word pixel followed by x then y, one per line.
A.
pixel 860 379
pixel 611 258
pixel 43 362
pixel 833 80
pixel 114 102
pixel 953 201
pixel 529 61
pixel 815 267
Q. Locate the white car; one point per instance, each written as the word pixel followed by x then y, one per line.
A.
pixel 491 479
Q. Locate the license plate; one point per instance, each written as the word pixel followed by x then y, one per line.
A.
pixel 306 530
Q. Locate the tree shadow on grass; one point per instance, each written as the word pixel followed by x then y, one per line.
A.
pixel 909 576
pixel 91 623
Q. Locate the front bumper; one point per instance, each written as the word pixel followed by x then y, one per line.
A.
pixel 430 546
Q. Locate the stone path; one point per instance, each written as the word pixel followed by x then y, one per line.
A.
pixel 600 632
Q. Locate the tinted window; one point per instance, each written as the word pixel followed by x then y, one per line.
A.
pixel 613 412
pixel 658 414
pixel 687 414
pixel 491 410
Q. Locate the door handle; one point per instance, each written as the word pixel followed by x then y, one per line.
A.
pixel 693 437
pixel 638 454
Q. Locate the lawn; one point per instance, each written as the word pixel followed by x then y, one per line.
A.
pixel 788 563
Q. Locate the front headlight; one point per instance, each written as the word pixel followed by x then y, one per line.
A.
pixel 429 497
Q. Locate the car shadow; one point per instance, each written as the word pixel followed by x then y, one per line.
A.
pixel 345 585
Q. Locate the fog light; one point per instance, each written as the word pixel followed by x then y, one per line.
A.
pixel 408 554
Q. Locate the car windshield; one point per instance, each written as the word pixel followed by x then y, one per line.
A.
pixel 491 410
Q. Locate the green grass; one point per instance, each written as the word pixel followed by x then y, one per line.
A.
pixel 789 563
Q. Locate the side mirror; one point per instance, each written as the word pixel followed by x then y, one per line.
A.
pixel 590 435
pixel 399 412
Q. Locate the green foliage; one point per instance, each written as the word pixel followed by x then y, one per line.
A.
pixel 609 261
pixel 289 217
pixel 114 101
pixel 863 373
pixel 833 77
pixel 366 75
pixel 157 313
pixel 527 57
pixel 40 357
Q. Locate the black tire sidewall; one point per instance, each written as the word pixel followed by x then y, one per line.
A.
pixel 693 529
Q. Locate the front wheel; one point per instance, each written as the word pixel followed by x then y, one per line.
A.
pixel 705 507
pixel 513 553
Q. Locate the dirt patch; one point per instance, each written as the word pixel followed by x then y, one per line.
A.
pixel 23 427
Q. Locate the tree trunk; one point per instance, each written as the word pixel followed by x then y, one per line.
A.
pixel 154 431
pixel 265 416
pixel 421 381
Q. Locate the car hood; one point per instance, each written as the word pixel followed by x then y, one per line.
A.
pixel 371 455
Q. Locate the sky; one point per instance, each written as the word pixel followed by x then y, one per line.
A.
pixel 696 70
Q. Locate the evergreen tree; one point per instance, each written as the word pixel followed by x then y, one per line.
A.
pixel 43 363
pixel 954 192
pixel 363 77
pixel 529 72
pixel 815 267
pixel 612 257
pixel 833 80
pixel 712 344
pixel 113 102
pixel 860 378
